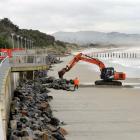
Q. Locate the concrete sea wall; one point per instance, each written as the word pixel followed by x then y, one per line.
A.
pixel 8 83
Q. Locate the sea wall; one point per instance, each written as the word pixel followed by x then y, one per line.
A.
pixel 8 83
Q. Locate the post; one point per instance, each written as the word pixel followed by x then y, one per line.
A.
pixel 12 34
pixel 25 44
pixel 21 41
pixel 18 40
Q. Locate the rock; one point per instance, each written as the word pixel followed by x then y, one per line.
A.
pixel 31 115
pixel 58 136
pixel 47 136
pixel 13 124
pixel 43 105
pixel 57 83
pixel 54 121
pixel 63 131
pixel 26 138
pixel 19 126
pixel 23 120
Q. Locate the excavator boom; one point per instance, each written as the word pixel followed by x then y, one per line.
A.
pixel 76 59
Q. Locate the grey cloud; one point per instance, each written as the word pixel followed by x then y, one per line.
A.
pixel 72 15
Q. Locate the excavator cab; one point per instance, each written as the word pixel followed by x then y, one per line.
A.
pixel 109 77
pixel 107 73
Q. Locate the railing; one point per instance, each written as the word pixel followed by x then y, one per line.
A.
pixel 29 59
pixel 5 61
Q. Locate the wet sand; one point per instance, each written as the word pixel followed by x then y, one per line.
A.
pixel 96 113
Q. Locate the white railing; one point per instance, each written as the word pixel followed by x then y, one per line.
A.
pixel 28 59
pixel 4 60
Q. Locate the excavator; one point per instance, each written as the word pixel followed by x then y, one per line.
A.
pixel 108 75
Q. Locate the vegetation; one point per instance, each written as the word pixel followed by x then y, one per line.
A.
pixel 4 43
pixel 41 40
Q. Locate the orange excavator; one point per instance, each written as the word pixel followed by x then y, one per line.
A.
pixel 108 75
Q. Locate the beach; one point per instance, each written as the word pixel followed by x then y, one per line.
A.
pixel 96 113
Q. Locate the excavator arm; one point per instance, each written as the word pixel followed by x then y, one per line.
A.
pixel 76 59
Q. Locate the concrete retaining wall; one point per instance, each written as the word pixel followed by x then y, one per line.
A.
pixel 9 82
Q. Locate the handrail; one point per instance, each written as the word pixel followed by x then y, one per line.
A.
pixel 3 60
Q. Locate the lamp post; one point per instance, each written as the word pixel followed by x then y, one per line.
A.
pixel 18 36
pixel 12 34
pixel 32 44
pixel 25 44
pixel 21 41
pixel 28 44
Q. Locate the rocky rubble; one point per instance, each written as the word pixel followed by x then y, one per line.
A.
pixel 52 59
pixel 31 117
pixel 52 82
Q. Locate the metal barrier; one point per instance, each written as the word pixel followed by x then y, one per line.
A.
pixel 28 59
pixel 5 61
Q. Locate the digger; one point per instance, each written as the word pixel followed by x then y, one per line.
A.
pixel 108 75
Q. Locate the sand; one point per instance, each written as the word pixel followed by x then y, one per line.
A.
pixel 96 113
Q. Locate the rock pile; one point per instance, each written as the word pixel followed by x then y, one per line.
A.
pixel 52 59
pixel 31 117
pixel 54 83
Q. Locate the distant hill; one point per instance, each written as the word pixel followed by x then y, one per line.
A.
pixel 88 37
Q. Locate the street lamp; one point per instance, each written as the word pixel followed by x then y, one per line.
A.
pixel 21 41
pixel 25 44
pixel 28 45
pixel 12 34
pixel 18 40
pixel 32 44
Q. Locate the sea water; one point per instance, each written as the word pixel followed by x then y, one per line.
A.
pixel 130 66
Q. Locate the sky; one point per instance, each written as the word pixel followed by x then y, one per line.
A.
pixel 74 15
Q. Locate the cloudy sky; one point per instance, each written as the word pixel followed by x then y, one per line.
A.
pixel 73 15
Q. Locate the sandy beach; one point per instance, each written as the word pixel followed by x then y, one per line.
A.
pixel 94 113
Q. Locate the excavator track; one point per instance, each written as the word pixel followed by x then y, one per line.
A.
pixel 110 83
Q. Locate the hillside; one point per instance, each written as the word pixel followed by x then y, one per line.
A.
pixel 88 37
pixel 7 27
pixel 41 40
